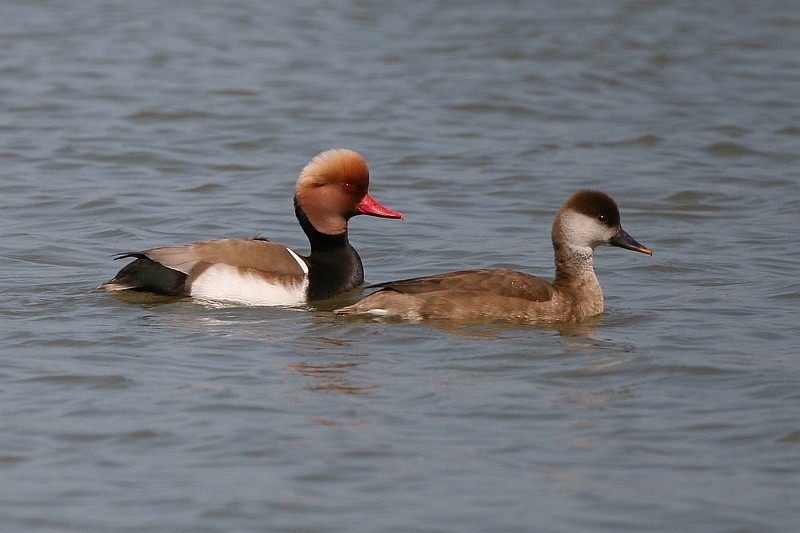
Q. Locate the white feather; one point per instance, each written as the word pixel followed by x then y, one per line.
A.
pixel 300 262
pixel 226 283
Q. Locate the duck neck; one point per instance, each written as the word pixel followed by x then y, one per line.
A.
pixel 334 265
pixel 575 274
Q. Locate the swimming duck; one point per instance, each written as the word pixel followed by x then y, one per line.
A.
pixel 331 189
pixel 588 219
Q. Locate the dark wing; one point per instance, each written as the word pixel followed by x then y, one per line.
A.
pixel 144 274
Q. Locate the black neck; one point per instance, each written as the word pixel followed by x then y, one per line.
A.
pixel 334 265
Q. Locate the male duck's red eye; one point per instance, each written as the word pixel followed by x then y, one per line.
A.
pixel 348 186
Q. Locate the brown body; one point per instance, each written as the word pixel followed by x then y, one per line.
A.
pixel 588 219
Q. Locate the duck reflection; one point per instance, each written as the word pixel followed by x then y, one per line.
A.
pixel 331 377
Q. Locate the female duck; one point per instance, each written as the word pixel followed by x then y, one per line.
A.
pixel 587 220
pixel 331 189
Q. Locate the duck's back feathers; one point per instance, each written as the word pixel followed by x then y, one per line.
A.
pixel 256 254
pixel 507 283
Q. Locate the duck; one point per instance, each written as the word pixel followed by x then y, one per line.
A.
pixel 588 219
pixel 330 190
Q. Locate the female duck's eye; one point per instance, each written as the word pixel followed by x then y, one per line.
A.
pixel 601 217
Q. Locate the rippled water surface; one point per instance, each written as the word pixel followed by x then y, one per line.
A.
pixel 128 125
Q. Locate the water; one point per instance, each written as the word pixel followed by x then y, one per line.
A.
pixel 127 125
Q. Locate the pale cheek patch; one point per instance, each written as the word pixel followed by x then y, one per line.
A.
pixel 230 284
pixel 582 231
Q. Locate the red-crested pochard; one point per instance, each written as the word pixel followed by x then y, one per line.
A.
pixel 587 220
pixel 331 189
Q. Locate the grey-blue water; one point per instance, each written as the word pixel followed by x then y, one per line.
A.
pixel 128 125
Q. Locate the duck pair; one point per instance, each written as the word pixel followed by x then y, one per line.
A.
pixel 333 188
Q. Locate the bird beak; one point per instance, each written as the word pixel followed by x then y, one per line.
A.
pixel 623 240
pixel 370 206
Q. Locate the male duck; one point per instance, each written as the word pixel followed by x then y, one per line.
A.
pixel 331 189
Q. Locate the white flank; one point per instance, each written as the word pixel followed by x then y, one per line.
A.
pixel 300 262
pixel 225 283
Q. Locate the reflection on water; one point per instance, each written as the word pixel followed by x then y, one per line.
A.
pixel 331 377
pixel 482 328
